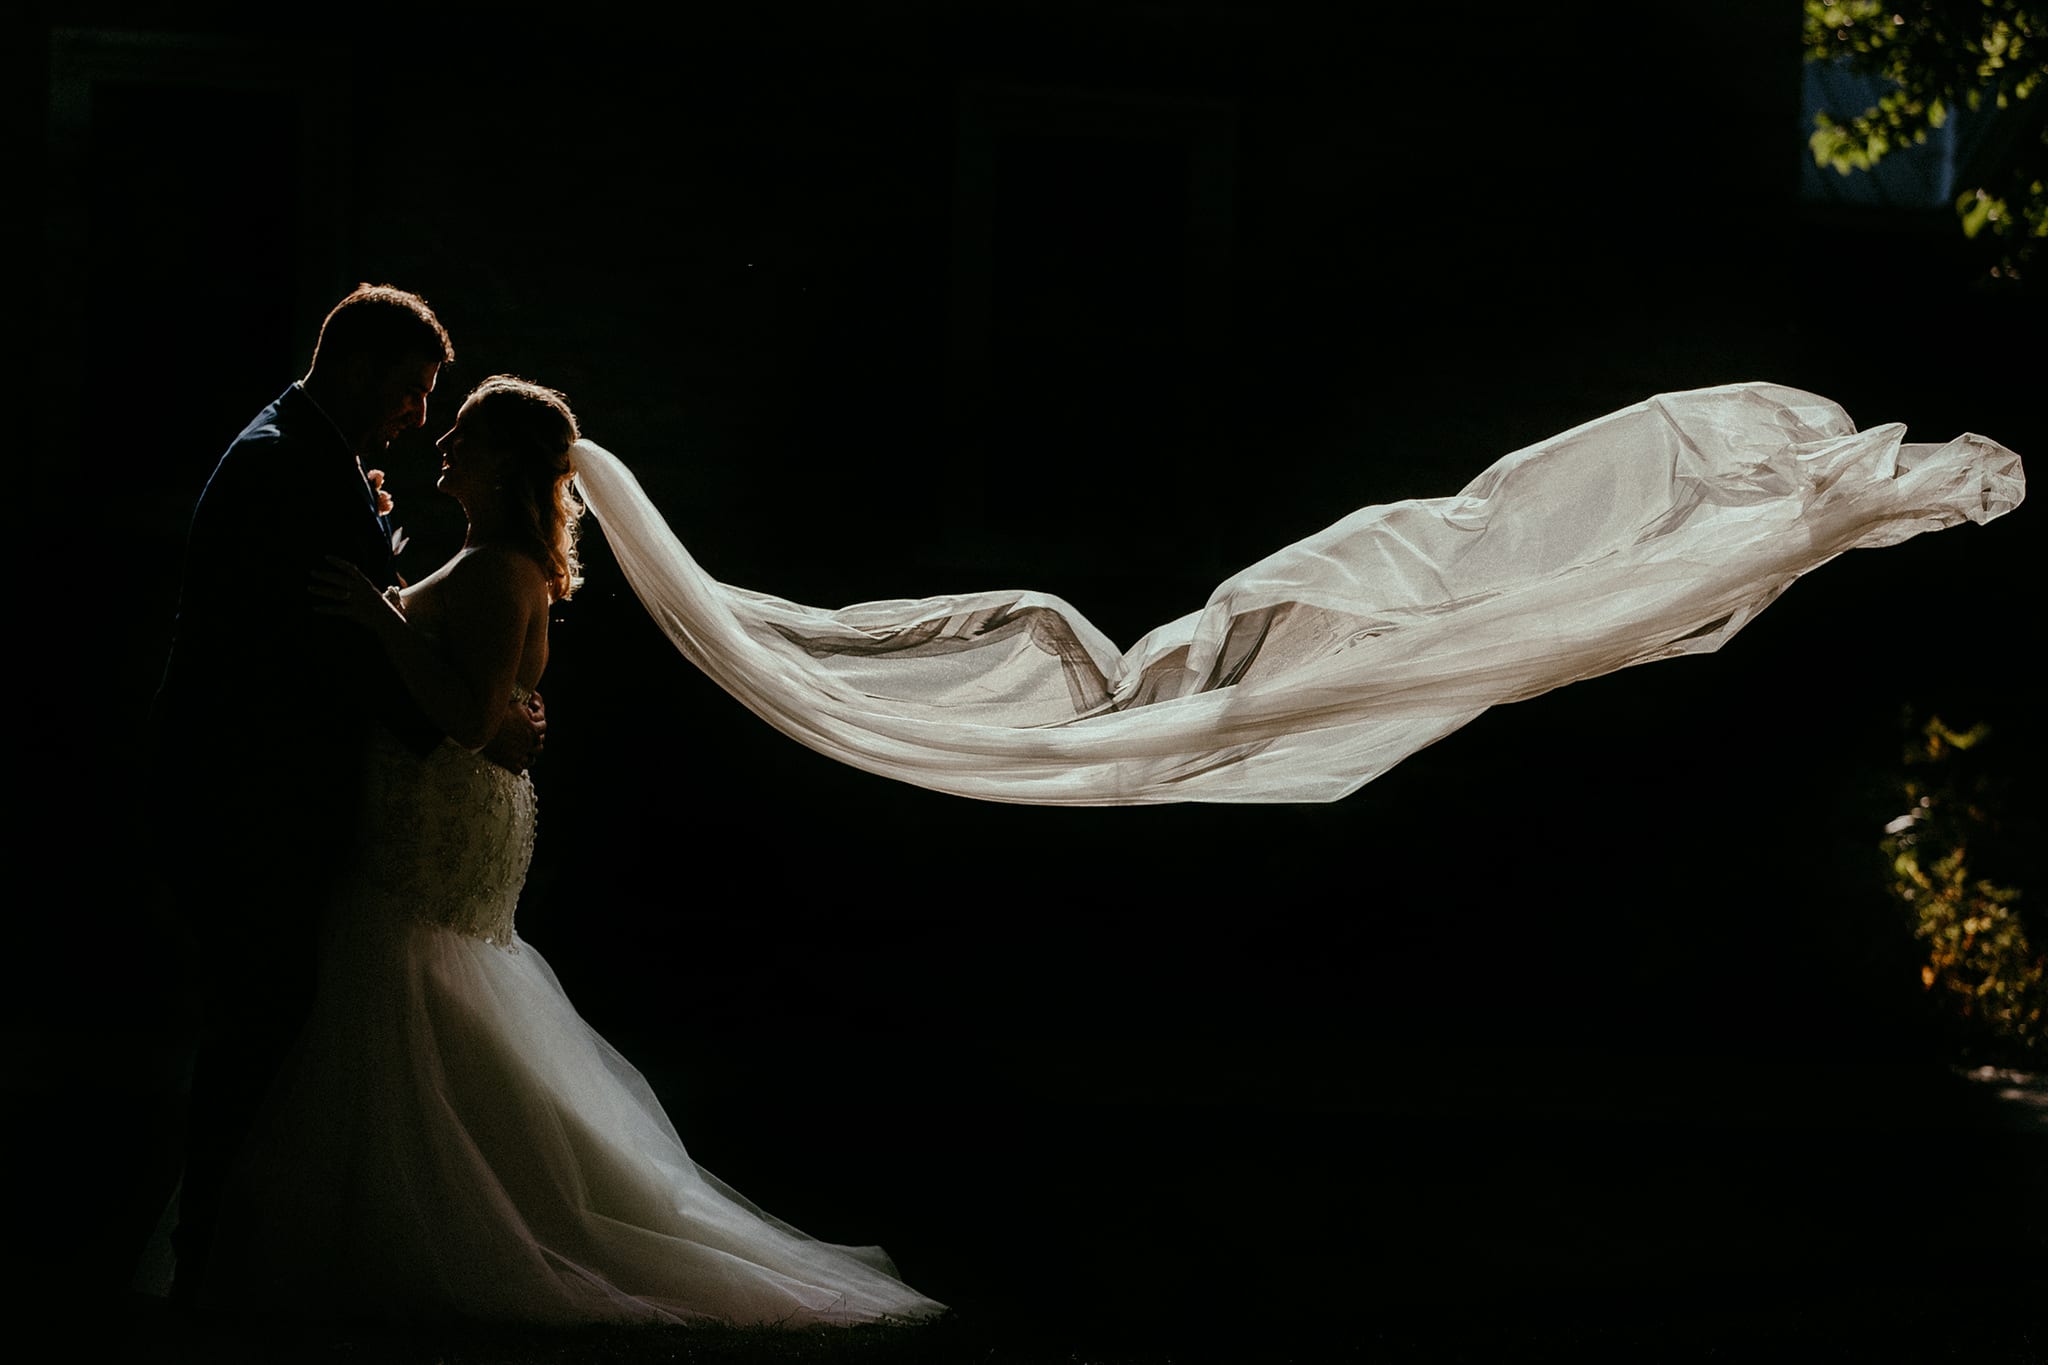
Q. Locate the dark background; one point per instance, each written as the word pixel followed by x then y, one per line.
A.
pixel 1597 1004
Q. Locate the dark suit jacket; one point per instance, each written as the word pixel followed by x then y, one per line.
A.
pixel 260 731
pixel 264 699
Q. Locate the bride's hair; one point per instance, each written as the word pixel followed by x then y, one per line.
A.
pixel 532 424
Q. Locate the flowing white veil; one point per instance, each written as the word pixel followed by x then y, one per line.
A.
pixel 1655 531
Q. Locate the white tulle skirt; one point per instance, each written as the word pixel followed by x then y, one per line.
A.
pixel 453 1140
pixel 456 1140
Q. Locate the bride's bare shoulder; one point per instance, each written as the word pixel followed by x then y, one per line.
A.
pixel 502 568
pixel 481 583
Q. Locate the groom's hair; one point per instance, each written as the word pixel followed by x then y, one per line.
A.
pixel 382 323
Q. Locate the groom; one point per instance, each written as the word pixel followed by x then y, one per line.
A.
pixel 265 708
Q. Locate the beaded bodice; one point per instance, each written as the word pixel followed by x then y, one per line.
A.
pixel 448 839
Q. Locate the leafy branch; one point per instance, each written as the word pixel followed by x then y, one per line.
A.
pixel 1980 956
pixel 1939 56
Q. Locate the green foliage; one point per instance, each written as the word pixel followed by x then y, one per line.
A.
pixel 1941 55
pixel 1982 959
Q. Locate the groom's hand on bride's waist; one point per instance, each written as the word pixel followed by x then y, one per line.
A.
pixel 521 733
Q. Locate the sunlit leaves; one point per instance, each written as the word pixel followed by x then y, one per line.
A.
pixel 1981 959
pixel 1936 55
pixel 1980 210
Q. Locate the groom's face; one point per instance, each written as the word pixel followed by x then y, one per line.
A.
pixel 394 401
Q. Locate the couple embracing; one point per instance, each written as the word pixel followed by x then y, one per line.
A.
pixel 395 1110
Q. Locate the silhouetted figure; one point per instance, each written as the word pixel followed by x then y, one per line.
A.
pixel 450 1138
pixel 262 718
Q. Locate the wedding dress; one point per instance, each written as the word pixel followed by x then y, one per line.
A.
pixel 452 1139
pixel 1652 532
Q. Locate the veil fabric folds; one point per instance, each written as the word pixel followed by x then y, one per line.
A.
pixel 1658 530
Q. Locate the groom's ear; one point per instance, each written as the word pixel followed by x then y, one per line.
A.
pixel 354 382
pixel 355 372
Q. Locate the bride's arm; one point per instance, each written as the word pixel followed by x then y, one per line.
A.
pixel 463 679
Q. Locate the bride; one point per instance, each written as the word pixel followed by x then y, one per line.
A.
pixel 451 1137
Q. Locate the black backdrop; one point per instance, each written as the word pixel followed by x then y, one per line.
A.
pixel 899 299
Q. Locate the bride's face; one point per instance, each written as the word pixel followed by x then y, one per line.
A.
pixel 468 464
